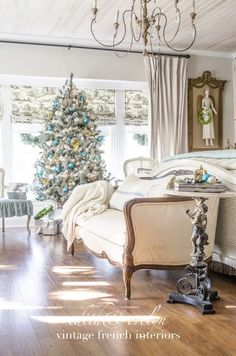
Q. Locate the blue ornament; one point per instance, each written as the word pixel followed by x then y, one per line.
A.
pixel 39 196
pixel 70 165
pixel 65 189
pixel 51 154
pixel 40 173
pixel 81 98
pixel 50 127
pixel 68 140
pixel 83 154
pixel 205 177
pixel 71 110
pixel 99 138
pixel 85 120
pixel 57 169
pixel 56 142
pixel 56 104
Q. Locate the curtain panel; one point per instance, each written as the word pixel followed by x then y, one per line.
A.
pixel 234 95
pixel 167 82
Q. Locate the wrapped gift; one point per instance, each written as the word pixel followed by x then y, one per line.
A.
pixel 17 191
pixel 48 226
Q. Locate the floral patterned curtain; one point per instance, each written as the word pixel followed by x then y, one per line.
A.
pixel 32 104
pixel 101 102
pixel 136 108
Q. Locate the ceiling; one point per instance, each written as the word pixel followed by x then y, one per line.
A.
pixel 68 22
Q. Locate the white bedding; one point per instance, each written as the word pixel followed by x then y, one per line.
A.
pixel 229 164
pixel 223 158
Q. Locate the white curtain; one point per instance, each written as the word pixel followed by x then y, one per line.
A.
pixel 167 81
pixel 234 96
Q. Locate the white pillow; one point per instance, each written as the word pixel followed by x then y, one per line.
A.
pixel 159 185
pixel 134 187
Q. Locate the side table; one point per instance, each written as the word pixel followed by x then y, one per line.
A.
pixel 195 287
pixel 15 207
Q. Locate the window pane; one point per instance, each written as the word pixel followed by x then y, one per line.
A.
pixel 106 147
pixel 24 156
pixel 137 142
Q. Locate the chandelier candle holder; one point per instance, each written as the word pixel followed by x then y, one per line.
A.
pixel 147 22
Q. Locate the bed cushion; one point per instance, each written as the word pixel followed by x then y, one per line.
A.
pixel 135 187
pixel 109 225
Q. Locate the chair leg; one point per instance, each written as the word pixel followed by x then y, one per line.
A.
pixel 72 249
pixel 127 274
pixel 28 224
pixel 3 224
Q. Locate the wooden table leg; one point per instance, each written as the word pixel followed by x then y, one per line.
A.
pixel 3 224
pixel 28 223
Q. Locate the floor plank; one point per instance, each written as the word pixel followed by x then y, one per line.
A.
pixel 52 303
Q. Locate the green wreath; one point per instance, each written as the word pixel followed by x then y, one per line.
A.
pixel 201 118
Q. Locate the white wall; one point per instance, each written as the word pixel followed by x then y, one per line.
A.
pixel 60 62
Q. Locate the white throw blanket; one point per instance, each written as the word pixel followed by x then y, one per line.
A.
pixel 85 201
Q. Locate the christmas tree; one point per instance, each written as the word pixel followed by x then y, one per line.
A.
pixel 70 147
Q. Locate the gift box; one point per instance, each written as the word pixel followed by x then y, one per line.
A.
pixel 17 191
pixel 48 226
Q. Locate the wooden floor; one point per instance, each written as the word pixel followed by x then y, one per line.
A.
pixel 54 304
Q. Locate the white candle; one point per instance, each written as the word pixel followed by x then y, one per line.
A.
pixel 117 16
pixel 95 4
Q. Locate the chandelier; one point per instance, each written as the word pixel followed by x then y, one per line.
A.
pixel 146 23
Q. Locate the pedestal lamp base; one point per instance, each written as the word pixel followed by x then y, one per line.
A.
pixel 205 306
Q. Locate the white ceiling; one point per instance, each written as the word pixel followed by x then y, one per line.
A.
pixel 68 22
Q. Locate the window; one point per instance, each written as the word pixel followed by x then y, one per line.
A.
pixel 106 132
pixel 29 107
pixel 136 123
pixel 24 156
pixel 121 116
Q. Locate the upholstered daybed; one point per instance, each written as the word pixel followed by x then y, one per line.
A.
pixel 141 229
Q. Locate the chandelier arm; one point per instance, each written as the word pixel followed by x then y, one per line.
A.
pixel 176 49
pixel 132 7
pixel 164 28
pixel 154 10
pixel 125 53
pixel 132 29
pixel 123 37
pixel 93 34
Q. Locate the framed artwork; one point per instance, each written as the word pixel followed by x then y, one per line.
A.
pixel 205 110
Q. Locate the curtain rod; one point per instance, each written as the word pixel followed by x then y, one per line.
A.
pixel 92 48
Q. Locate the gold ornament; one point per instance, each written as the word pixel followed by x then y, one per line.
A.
pixel 45 181
pixel 75 144
pixel 50 115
